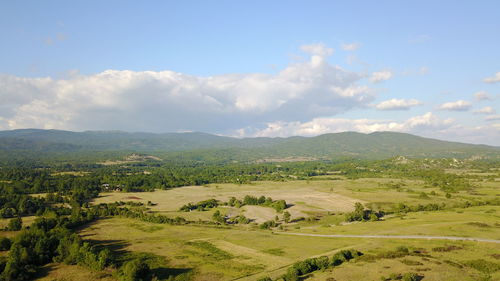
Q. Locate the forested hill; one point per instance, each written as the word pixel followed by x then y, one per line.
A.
pixel 347 144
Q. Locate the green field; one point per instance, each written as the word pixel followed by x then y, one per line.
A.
pixel 202 248
pixel 247 252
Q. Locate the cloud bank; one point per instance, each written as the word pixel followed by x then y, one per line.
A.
pixel 317 126
pixel 303 98
pixel 170 101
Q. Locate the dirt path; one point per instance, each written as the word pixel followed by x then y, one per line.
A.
pixel 392 236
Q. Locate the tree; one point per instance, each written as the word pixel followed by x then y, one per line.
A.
pixel 286 216
pixel 135 270
pixel 15 224
pixel 218 217
pixel 5 244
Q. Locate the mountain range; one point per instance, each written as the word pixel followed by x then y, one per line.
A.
pixel 345 144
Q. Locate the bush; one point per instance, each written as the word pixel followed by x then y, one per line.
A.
pixel 320 263
pixel 410 276
pixel 134 270
pixel 483 265
pixel 15 224
pixel 267 225
pixel 5 244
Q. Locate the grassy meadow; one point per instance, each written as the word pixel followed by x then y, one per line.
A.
pixel 246 252
pixel 203 250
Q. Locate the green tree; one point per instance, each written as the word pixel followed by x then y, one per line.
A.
pixel 5 244
pixel 286 216
pixel 15 224
pixel 134 270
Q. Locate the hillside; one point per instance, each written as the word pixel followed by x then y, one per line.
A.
pixel 346 144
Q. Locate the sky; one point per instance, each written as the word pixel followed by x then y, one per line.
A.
pixel 253 68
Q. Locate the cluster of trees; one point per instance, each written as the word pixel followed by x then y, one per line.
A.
pixel 134 270
pixel 278 205
pixel 200 206
pixel 12 205
pixel 362 214
pixel 320 263
pixel 5 243
pixel 23 180
pixel 15 224
pixel 268 224
pixel 239 219
pixel 72 250
pixel 403 208
pixel 53 239
pixel 119 209
pixel 41 243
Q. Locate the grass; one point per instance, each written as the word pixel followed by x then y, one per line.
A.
pixel 247 253
pixel 228 253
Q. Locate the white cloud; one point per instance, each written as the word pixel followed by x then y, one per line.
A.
pixel 459 105
pixel 350 47
pixel 169 101
pixel 486 110
pixel 492 117
pixel 427 125
pixel 494 79
pixel 397 104
pixel 482 95
pixel 380 76
pixel 318 126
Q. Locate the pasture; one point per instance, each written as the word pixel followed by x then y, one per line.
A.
pixel 209 252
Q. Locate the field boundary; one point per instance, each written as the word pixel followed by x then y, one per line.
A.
pixel 393 237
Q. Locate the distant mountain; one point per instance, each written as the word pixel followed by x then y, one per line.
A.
pixel 347 144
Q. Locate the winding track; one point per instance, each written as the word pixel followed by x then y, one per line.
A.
pixel 392 237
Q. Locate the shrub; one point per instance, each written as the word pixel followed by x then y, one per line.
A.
pixel 15 224
pixel 134 270
pixel 5 244
pixel 410 276
pixel 268 225
pixel 483 265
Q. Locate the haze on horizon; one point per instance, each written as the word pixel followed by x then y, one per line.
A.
pixel 253 69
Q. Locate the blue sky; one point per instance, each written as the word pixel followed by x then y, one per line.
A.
pixel 146 66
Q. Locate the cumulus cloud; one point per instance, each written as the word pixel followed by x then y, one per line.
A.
pixel 397 104
pixel 427 125
pixel 459 105
pixel 380 76
pixel 482 95
pixel 494 79
pixel 486 110
pixel 350 47
pixel 169 101
pixel 318 126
